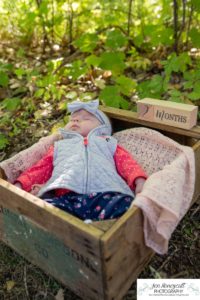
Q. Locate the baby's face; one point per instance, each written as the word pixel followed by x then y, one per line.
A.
pixel 82 122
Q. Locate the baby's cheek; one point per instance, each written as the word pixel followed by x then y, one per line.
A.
pixel 67 126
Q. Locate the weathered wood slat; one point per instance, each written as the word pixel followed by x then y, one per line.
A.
pixel 124 253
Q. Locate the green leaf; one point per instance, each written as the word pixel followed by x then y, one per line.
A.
pixel 177 63
pixel 124 104
pixel 194 34
pixel 77 69
pixel 176 96
pixel 4 80
pixel 47 95
pixel 87 42
pixel 158 34
pixel 110 96
pixel 176 99
pixel 113 61
pixel 156 84
pixel 71 95
pixel 39 93
pixel 175 93
pixel 197 87
pixel 20 53
pixel 188 84
pixel 126 84
pixel 100 83
pixel 116 39
pixel 43 8
pixel 194 96
pixel 165 36
pixel 87 96
pixel 196 5
pixel 3 141
pixel 184 61
pixel 12 104
pixel 151 88
pixel 93 60
pixel 5 67
pixel 20 72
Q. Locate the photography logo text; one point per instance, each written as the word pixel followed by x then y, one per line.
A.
pixel 168 289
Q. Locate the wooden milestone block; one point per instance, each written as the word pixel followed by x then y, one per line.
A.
pixel 167 112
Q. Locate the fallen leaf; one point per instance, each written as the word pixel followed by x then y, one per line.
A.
pixel 9 285
pixel 107 74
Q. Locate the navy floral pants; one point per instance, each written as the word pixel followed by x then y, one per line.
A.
pixel 95 206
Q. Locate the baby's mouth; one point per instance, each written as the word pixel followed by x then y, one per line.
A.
pixel 74 126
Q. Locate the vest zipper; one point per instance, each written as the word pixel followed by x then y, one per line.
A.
pixel 86 155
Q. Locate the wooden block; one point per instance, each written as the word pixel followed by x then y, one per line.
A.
pixel 167 112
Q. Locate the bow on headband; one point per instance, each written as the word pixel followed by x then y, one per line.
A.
pixel 91 106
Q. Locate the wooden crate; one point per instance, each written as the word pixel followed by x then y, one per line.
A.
pixel 96 261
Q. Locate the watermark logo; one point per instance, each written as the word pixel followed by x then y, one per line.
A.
pixel 165 289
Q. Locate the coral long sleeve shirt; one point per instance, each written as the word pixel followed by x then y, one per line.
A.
pixel 41 172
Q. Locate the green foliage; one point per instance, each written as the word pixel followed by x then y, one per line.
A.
pixel 4 71
pixel 115 39
pixel 113 61
pixel 192 84
pixel 158 35
pixel 76 69
pixel 47 87
pixel 196 5
pixel 4 79
pixel 156 86
pixel 176 96
pixel 11 104
pixel 3 141
pixel 195 37
pixel 127 86
pixel 111 96
pixel 93 60
pixel 151 88
pixel 87 42
pixel 176 63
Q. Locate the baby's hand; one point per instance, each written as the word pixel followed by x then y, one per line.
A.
pixel 18 184
pixel 36 188
pixel 139 182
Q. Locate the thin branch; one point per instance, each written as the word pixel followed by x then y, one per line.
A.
pixel 129 16
pixel 175 8
pixel 184 2
pixel 53 20
pixel 189 22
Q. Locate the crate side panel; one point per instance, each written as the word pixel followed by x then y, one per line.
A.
pixel 124 254
pixel 66 264
pixel 65 226
pixel 34 230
